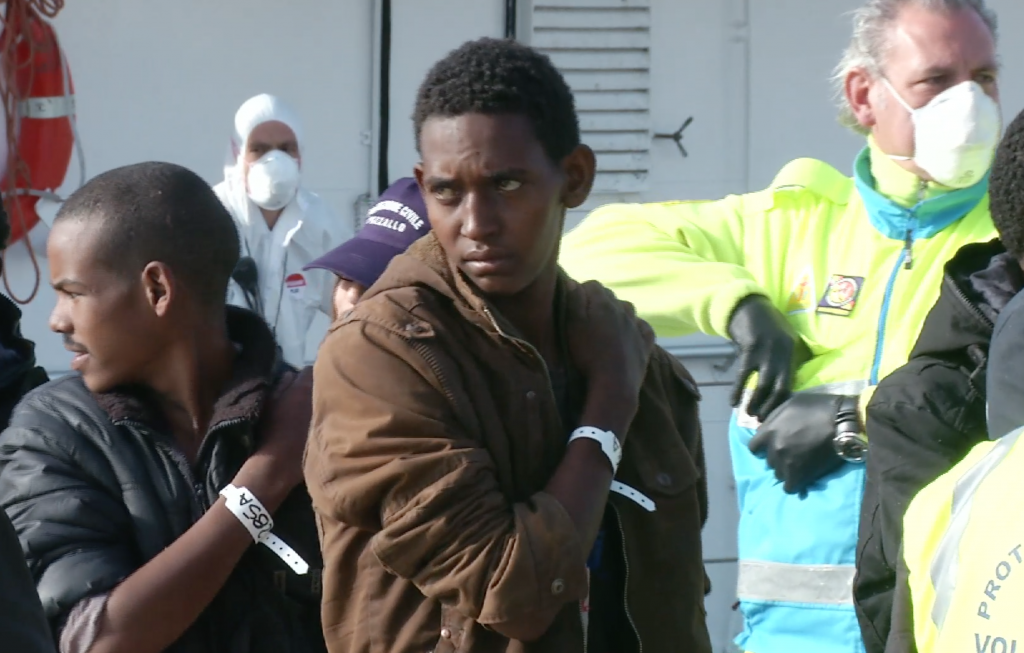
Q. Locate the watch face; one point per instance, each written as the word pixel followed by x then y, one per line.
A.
pixel 851 448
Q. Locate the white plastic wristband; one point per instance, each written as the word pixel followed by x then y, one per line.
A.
pixel 244 505
pixel 606 439
pixel 633 495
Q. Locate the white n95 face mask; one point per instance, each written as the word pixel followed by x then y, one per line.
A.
pixel 955 135
pixel 273 180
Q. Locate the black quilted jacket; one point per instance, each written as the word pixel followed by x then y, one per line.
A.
pixel 96 487
pixel 22 625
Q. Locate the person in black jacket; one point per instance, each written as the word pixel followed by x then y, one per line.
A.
pixel 18 370
pixel 23 626
pixel 144 488
pixel 1005 381
pixel 926 416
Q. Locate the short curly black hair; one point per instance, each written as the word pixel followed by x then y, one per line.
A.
pixel 157 211
pixel 494 76
pixel 1006 188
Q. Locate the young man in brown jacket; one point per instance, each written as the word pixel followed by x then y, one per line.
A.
pixel 472 410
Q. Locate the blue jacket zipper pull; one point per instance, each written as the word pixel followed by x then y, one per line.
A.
pixel 908 242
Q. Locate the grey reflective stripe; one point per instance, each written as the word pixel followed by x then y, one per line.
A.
pixel 944 567
pixel 779 581
pixel 838 388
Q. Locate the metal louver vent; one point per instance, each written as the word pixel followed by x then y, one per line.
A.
pixel 602 48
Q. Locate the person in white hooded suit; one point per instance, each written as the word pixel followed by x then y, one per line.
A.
pixel 282 226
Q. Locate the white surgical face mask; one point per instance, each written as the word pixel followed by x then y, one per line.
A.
pixel 273 180
pixel 955 135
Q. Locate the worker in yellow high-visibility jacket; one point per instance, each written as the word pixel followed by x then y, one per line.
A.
pixel 823 282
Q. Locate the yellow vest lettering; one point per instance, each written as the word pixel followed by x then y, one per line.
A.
pixel 1002 573
pixel 998 644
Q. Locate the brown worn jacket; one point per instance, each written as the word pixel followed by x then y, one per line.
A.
pixel 434 435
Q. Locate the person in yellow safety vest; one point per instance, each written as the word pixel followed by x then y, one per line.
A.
pixel 960 581
pixel 823 282
pixel 963 385
pixel 963 546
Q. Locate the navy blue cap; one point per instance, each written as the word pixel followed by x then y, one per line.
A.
pixel 397 220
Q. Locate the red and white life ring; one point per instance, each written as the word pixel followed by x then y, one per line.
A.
pixel 44 124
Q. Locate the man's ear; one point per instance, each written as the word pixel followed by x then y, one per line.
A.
pixel 160 287
pixel 857 88
pixel 417 173
pixel 579 168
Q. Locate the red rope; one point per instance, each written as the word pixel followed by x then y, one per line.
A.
pixel 18 20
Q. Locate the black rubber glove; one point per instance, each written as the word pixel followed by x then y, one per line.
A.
pixel 769 346
pixel 797 440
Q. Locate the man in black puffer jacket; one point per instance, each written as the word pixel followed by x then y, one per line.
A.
pixel 142 488
pixel 926 416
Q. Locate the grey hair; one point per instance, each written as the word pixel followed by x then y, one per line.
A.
pixel 871 25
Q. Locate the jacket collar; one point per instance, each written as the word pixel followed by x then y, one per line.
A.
pixel 922 220
pixel 897 183
pixel 253 376
pixel 425 264
pixel 978 282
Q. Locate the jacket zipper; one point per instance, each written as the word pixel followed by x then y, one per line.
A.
pixel 625 581
pixel 424 351
pixel 970 306
pixel 200 504
pixel 533 352
pixel 908 244
pixel 905 260
pixel 908 241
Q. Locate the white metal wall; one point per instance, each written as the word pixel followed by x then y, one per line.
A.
pixel 163 80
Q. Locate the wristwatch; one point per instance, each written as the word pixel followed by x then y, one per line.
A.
pixel 609 443
pixel 849 442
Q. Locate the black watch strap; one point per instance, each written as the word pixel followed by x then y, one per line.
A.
pixel 847 416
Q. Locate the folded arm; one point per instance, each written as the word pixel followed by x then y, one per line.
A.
pixel 388 455
pixel 80 541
